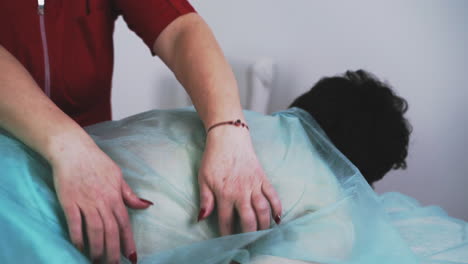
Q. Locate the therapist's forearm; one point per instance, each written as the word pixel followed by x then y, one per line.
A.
pixel 189 48
pixel 230 174
pixel 27 113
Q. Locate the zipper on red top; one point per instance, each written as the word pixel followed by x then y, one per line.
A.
pixel 41 12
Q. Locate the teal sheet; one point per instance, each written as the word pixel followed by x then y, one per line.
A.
pixel 330 214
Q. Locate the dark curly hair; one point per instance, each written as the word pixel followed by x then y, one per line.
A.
pixel 363 118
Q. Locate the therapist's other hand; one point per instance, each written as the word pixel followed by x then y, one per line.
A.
pixel 93 194
pixel 231 177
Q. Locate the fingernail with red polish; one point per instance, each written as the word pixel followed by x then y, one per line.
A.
pixel 133 257
pixel 278 219
pixel 201 214
pixel 146 201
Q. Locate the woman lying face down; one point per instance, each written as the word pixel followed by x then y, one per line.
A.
pixel 326 202
pixel 160 151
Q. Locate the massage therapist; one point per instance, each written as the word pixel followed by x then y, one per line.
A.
pixel 56 61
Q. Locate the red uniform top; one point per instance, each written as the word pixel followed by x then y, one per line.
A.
pixel 73 52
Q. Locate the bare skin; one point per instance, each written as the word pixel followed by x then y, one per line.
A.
pixel 88 183
pixel 230 175
pixel 90 186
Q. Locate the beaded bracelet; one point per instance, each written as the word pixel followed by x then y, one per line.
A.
pixel 237 123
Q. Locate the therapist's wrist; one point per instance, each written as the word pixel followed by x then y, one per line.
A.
pixel 236 123
pixel 64 146
pixel 227 135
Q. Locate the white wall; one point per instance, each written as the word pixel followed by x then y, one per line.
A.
pixel 420 47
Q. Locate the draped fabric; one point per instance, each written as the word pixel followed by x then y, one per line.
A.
pixel 330 214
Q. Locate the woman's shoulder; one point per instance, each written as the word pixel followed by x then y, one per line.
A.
pixel 305 118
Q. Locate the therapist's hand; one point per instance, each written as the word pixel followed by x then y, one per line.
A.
pixel 93 194
pixel 231 177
